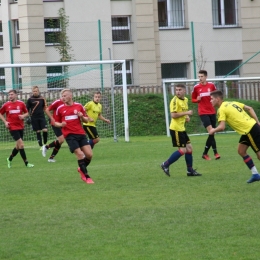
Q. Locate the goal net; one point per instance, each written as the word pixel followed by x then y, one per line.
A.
pixel 84 79
pixel 238 88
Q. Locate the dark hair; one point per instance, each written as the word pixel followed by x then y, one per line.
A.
pixel 217 93
pixel 180 86
pixel 204 72
pixel 12 90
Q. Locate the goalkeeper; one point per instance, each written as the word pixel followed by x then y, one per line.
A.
pixel 94 109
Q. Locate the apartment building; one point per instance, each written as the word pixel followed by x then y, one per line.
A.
pixel 158 38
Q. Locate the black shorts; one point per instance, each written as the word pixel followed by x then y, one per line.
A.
pixel 179 139
pixel 57 131
pixel 252 138
pixel 38 123
pixel 76 141
pixel 91 131
pixel 208 120
pixel 17 134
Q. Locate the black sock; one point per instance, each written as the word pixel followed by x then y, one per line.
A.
pixel 39 138
pixel 23 155
pixel 55 150
pixel 45 137
pixel 13 154
pixel 82 166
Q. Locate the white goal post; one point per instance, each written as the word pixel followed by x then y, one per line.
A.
pixel 83 78
pixel 169 83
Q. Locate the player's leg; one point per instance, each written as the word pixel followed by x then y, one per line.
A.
pixel 205 119
pixel 251 139
pixel 178 140
pixel 37 129
pixel 20 146
pixel 44 129
pixel 213 121
pixel 92 133
pixel 15 151
pixel 189 160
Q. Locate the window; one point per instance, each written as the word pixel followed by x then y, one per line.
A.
pixel 16 33
pixel 1 36
pixel 52 31
pixel 118 79
pixel 54 76
pixel 174 70
pixel 2 79
pixel 222 68
pixel 224 13
pixel 121 29
pixel 171 13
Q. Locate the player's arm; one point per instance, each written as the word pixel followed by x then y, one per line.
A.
pixel 4 120
pixel 221 127
pixel 252 113
pixel 194 97
pixel 180 114
pixel 49 114
pixel 103 119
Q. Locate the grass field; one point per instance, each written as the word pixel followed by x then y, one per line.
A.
pixel 133 211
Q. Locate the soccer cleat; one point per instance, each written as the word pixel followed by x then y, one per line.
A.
pixel 193 173
pixel 89 180
pixel 44 150
pixel 206 157
pixel 8 163
pixel 255 177
pixel 165 169
pixel 217 156
pixel 51 160
pixel 82 175
pixel 29 165
pixel 41 148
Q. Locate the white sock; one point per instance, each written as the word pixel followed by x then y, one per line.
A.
pixel 254 170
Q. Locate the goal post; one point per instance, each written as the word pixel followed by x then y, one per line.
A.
pixel 83 78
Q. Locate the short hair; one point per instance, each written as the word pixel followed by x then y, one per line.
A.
pixel 180 86
pixel 217 93
pixel 97 92
pixel 64 90
pixel 12 90
pixel 35 87
pixel 204 72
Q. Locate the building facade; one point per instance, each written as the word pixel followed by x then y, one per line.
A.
pixel 159 39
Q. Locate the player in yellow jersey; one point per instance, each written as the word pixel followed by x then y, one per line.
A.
pixel 247 125
pixel 94 109
pixel 180 115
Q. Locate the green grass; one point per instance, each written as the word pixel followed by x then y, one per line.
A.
pixel 133 211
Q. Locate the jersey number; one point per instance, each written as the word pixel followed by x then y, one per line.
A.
pixel 239 109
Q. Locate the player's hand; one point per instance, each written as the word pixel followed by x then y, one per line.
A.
pixel 63 124
pixel 190 112
pixel 52 121
pixel 187 119
pixel 7 124
pixel 199 98
pixel 80 114
pixel 107 121
pixel 21 117
pixel 212 131
pixel 90 119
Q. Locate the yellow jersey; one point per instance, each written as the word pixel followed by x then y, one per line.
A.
pixel 93 110
pixel 235 115
pixel 178 105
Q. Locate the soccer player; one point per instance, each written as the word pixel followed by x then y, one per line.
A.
pixel 180 114
pixel 247 125
pixel 36 106
pixel 57 130
pixel 70 116
pixel 15 111
pixel 94 110
pixel 207 113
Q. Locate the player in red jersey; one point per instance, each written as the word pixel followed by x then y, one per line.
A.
pixel 15 112
pixel 70 116
pixel 207 113
pixel 57 130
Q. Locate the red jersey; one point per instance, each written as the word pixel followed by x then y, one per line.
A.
pixel 204 105
pixel 69 114
pixel 12 110
pixel 53 107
